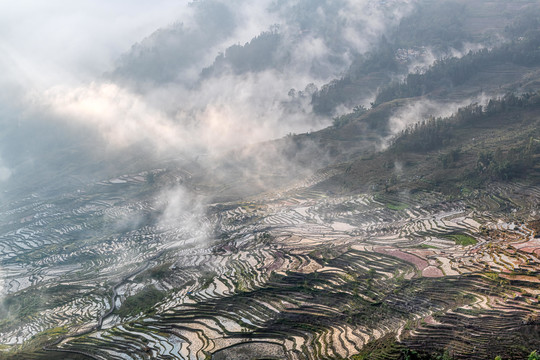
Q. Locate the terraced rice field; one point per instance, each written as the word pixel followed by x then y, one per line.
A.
pixel 295 274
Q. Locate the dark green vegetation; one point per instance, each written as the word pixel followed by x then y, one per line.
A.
pixel 437 27
pixel 388 347
pixel 454 72
pixel 142 302
pixel 475 146
pixel 257 55
pixel 439 24
pixel 462 239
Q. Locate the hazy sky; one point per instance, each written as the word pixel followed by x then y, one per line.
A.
pixel 41 41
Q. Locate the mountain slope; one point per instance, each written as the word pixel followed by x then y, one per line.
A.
pixel 407 230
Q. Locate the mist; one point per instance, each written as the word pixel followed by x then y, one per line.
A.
pixel 59 41
pixel 103 83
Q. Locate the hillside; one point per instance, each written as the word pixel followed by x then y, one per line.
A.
pixel 470 149
pixel 405 227
pixel 435 31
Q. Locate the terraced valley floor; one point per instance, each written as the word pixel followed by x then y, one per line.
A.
pixel 291 274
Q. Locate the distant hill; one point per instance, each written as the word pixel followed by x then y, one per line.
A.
pixel 435 30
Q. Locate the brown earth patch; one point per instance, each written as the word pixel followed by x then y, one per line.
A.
pixel 420 263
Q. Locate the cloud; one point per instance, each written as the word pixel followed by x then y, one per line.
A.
pixel 61 40
pixel 225 112
pixel 175 53
pixel 232 109
pixel 182 211
pixel 319 38
pixel 120 117
pixel 5 172
pixel 367 21
pixel 66 98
